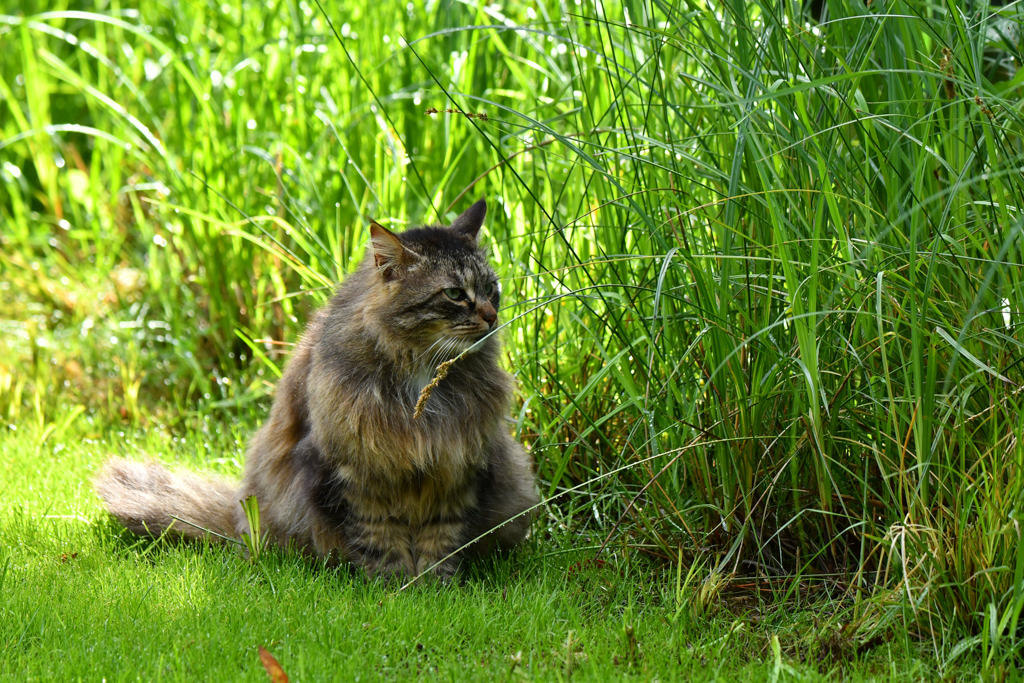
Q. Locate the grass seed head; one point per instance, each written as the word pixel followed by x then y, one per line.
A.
pixel 442 372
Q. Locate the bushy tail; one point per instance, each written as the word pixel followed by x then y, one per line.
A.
pixel 144 495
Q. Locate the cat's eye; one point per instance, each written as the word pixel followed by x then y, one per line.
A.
pixel 455 294
pixel 489 289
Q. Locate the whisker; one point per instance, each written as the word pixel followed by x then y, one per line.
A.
pixel 442 339
pixel 440 352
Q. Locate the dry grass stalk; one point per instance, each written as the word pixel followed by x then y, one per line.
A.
pixel 442 372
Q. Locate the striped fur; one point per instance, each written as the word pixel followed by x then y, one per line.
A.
pixel 341 467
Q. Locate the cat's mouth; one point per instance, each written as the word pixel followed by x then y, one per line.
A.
pixel 467 337
pixel 453 343
pixel 476 334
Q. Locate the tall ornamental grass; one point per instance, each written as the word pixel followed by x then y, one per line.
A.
pixel 763 259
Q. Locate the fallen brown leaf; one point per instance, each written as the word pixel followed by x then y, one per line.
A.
pixel 274 670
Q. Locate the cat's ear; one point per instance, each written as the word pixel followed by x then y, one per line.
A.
pixel 470 221
pixel 389 253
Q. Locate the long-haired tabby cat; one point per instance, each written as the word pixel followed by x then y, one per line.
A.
pixel 344 467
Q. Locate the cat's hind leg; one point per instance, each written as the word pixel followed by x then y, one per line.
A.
pixel 506 494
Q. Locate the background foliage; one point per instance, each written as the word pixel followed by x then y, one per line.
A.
pixel 765 256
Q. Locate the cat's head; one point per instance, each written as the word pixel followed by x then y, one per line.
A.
pixel 438 291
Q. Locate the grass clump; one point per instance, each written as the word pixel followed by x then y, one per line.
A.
pixel 766 253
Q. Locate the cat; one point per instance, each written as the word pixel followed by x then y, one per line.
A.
pixel 353 463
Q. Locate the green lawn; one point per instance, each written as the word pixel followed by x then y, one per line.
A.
pixel 82 600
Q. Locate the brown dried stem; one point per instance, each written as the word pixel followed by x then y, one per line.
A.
pixel 442 372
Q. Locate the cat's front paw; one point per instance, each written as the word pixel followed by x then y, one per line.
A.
pixel 441 569
pixel 389 568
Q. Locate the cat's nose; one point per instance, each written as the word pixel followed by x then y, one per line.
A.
pixel 487 312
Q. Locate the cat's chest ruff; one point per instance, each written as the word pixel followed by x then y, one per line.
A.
pixel 449 442
pixel 384 434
